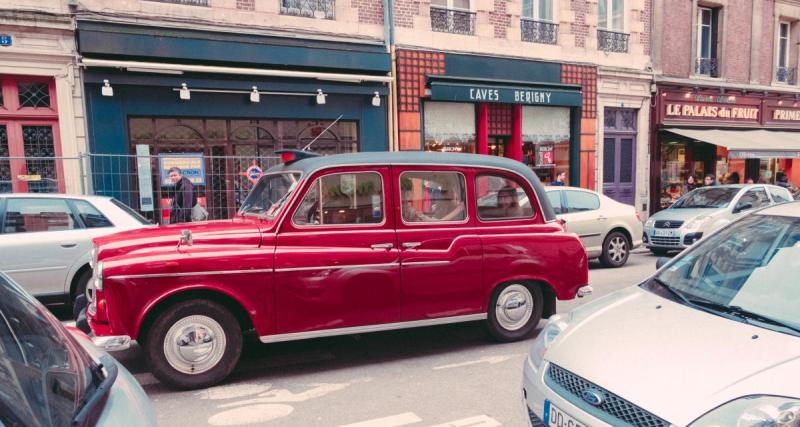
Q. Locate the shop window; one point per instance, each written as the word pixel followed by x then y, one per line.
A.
pixel 538 22
pixel 707 33
pixel 501 198
pixel 33 95
pixel 142 129
pixel 784 72
pixel 449 126
pixel 433 197
pixel 343 199
pixel 545 138
pixel 319 9
pixel 36 215
pixel 580 201
pixel 611 36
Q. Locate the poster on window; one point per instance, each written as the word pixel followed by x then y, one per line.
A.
pixel 192 166
pixel 545 155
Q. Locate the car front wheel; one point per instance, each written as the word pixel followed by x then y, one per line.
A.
pixel 616 250
pixel 514 311
pixel 193 344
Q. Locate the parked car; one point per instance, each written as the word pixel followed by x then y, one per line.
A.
pixel 46 239
pixel 703 210
pixel 610 230
pixel 711 339
pixel 52 376
pixel 338 245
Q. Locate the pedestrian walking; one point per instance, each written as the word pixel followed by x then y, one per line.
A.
pixel 183 199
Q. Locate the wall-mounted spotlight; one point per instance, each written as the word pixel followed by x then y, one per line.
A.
pixel 376 100
pixel 254 95
pixel 320 97
pixel 107 90
pixel 184 92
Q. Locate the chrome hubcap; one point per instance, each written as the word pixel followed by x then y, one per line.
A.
pixel 617 249
pixel 514 307
pixel 194 344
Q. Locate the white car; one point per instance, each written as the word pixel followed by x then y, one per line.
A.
pixel 712 339
pixel 46 239
pixel 609 230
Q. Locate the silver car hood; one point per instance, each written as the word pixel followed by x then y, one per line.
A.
pixel 672 360
pixel 680 214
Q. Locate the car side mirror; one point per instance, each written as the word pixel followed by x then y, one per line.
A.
pixel 661 261
pixel 742 207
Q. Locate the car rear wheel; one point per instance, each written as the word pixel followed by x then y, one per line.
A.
pixel 616 250
pixel 514 311
pixel 193 344
pixel 79 303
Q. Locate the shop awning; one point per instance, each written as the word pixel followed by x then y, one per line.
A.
pixel 748 144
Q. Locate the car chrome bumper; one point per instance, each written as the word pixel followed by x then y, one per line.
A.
pixel 681 239
pixel 584 291
pixel 112 342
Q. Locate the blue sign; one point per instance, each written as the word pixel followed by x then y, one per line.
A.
pixel 5 40
pixel 192 166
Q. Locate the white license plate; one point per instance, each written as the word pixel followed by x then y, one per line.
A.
pixel 663 233
pixel 555 417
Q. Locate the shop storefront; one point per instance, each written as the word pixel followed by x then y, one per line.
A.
pixel 525 110
pixel 725 133
pixel 223 103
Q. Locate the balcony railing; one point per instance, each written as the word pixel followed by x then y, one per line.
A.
pixel 539 31
pixel 707 67
pixel 612 41
pixel 786 75
pixel 320 9
pixel 452 21
pixel 185 2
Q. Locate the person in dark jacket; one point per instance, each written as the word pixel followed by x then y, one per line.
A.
pixel 560 177
pixel 183 199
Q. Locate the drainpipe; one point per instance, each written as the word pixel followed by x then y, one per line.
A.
pixel 388 39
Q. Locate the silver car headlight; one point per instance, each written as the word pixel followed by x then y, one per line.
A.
pixel 698 222
pixel 93 257
pixel 97 276
pixel 555 325
pixel 754 411
pixel 650 222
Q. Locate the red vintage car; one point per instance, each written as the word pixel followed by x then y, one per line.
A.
pixel 336 245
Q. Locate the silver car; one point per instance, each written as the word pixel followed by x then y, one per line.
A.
pixel 704 210
pixel 712 339
pixel 52 376
pixel 609 230
pixel 45 240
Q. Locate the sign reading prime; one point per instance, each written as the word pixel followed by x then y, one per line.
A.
pixel 786 115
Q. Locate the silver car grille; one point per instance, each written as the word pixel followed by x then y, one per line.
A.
pixel 611 405
pixel 665 241
pixel 667 223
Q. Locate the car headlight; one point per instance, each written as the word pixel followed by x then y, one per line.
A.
pixel 754 411
pixel 698 222
pixel 93 257
pixel 555 325
pixel 97 276
pixel 650 222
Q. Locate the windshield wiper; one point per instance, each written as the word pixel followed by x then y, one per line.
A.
pixel 84 411
pixel 743 314
pixel 672 291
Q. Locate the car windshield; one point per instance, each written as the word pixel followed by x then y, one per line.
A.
pixel 270 194
pixel 744 270
pixel 44 373
pixel 708 197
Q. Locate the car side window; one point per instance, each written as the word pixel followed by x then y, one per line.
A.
pixel 433 197
pixel 755 197
pixel 342 199
pixel 780 195
pixel 36 215
pixel 501 198
pixel 91 217
pixel 555 200
pixel 581 201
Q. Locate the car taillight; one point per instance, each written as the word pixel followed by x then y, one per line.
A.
pixel 638 216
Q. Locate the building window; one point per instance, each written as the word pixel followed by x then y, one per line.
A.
pixel 319 9
pixel 449 126
pixel 707 32
pixel 611 36
pixel 186 2
pixel 784 73
pixel 452 16
pixel 34 95
pixel 537 22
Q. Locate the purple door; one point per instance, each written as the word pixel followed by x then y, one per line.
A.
pixel 619 155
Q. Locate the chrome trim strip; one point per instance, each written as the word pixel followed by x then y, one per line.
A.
pixel 370 328
pixel 36 269
pixel 426 263
pixel 589 235
pixel 335 267
pixel 191 273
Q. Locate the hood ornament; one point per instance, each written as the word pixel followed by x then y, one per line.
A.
pixel 186 237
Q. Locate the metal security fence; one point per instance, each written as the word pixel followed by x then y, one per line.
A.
pixel 140 181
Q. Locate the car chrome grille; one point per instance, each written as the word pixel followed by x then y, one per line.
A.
pixel 612 405
pixel 665 241
pixel 666 223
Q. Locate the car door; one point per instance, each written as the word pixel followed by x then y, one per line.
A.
pixel 336 258
pixel 583 217
pixel 40 239
pixel 440 249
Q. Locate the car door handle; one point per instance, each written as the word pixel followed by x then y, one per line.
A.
pixel 385 246
pixel 601 218
pixel 411 245
pixel 68 245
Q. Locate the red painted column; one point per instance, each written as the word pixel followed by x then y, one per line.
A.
pixel 483 128
pixel 515 149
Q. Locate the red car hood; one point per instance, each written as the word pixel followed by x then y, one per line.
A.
pixel 238 231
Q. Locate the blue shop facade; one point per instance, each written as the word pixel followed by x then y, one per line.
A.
pixel 220 104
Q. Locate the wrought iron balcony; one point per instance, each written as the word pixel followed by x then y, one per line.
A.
pixel 185 2
pixel 320 9
pixel 539 31
pixel 786 75
pixel 452 21
pixel 612 41
pixel 707 67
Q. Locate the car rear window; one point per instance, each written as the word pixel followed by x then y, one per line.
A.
pixel 136 215
pixel 501 198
